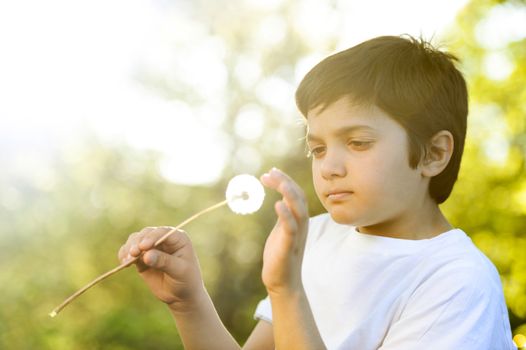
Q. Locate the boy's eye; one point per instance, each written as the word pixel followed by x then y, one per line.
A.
pixel 356 145
pixel 316 152
pixel 359 144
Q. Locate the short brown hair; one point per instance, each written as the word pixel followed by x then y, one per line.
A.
pixel 413 82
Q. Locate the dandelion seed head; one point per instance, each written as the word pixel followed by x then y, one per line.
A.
pixel 245 194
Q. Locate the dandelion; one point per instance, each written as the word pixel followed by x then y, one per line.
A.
pixel 244 195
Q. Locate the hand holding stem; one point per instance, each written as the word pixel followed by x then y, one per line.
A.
pixel 244 195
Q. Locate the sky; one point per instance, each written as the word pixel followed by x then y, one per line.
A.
pixel 67 67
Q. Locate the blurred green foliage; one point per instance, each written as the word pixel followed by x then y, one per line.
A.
pixel 489 200
pixel 62 224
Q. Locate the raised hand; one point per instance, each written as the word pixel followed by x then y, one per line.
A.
pixel 283 254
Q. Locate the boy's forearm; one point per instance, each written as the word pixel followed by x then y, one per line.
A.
pixel 293 322
pixel 200 327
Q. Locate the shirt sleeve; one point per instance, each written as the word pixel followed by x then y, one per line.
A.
pixel 453 310
pixel 264 310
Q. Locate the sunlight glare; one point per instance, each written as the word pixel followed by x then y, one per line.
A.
pixel 247 160
pixel 503 24
pixel 250 122
pixel 497 66
pixel 276 92
pixel 57 84
pixel 271 31
pixel 248 71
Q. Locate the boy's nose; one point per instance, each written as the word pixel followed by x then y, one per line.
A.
pixel 333 165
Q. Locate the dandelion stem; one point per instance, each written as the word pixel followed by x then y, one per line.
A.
pixel 133 260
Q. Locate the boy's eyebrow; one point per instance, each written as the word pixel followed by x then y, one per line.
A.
pixel 341 131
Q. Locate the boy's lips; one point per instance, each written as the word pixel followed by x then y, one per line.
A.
pixel 338 194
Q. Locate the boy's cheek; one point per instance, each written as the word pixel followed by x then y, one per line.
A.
pixel 318 188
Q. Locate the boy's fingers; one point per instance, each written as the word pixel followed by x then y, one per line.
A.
pixel 274 177
pixel 147 229
pixel 134 239
pixel 161 261
pixel 138 242
pixel 120 254
pixel 291 192
pixel 141 266
pixel 170 245
pixel 124 251
pixel 285 217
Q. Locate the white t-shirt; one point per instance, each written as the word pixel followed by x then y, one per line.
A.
pixel 370 292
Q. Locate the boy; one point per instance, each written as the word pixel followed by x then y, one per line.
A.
pixel 383 269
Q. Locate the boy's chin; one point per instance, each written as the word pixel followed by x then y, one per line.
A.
pixel 343 218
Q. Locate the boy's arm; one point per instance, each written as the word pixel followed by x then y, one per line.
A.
pixel 294 326
pixel 262 337
pixel 201 328
pixel 293 323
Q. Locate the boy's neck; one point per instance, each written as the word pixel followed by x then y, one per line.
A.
pixel 428 223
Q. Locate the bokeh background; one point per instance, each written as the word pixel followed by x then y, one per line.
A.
pixel 115 115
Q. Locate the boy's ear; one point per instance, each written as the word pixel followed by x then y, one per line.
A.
pixel 438 153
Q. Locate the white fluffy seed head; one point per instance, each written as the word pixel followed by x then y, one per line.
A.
pixel 245 194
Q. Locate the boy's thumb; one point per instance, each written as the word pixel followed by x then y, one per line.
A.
pixel 158 260
pixel 150 258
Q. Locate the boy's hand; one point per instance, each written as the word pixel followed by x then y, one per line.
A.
pixel 171 270
pixel 283 254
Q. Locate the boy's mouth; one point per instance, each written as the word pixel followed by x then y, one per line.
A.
pixel 338 195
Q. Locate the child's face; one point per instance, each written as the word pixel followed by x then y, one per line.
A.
pixel 360 167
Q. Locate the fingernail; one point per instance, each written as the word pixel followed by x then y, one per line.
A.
pixel 152 259
pixel 144 243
